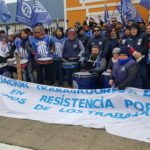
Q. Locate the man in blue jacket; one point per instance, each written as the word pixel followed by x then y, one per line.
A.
pixel 125 72
pixel 98 40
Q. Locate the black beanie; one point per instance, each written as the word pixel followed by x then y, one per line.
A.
pixel 136 26
pixel 124 50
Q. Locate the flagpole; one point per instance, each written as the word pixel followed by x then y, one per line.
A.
pixel 148 16
pixel 106 13
pixel 148 13
pixel 138 7
pixel 7 28
pixel 57 23
pixel 114 9
pixel 67 21
pixel 104 9
pixel 19 72
pixel 147 20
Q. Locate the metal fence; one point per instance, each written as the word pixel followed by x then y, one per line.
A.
pixel 16 28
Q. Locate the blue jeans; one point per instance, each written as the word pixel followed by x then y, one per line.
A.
pixel 27 74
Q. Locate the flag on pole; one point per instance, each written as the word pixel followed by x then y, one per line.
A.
pixel 128 11
pixel 119 8
pixel 145 3
pixel 40 14
pixel 24 12
pixel 106 15
pixel 124 11
pixel 4 12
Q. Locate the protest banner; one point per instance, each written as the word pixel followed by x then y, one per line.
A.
pixel 125 113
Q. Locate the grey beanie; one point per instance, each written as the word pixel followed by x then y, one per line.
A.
pixel 116 50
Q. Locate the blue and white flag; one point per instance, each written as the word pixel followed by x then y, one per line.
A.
pixel 106 15
pixel 40 14
pixel 124 11
pixel 4 12
pixel 128 11
pixel 24 12
pixel 145 3
pixel 119 8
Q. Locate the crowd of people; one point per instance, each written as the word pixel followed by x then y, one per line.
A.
pixel 112 52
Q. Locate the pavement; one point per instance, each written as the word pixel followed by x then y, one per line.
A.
pixel 42 136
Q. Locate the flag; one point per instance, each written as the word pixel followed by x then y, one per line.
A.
pixel 24 12
pixel 106 15
pixel 145 3
pixel 124 11
pixel 128 11
pixel 4 12
pixel 40 14
pixel 119 8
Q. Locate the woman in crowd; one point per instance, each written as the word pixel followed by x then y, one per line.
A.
pixel 40 47
pixel 5 53
pixel 81 36
pixel 4 49
pixel 72 51
pixel 125 35
pixel 58 41
pixel 19 47
pixel 113 41
pixel 114 59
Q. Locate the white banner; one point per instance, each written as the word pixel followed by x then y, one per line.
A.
pixel 89 1
pixel 125 113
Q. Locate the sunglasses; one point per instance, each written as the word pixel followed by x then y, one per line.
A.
pixel 36 32
pixel 96 30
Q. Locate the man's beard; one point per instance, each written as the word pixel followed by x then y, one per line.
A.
pixel 94 57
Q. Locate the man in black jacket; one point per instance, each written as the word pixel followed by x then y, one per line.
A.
pixel 138 44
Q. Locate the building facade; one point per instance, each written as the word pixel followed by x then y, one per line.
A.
pixel 78 10
pixel 54 7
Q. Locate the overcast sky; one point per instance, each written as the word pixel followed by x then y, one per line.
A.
pixel 10 1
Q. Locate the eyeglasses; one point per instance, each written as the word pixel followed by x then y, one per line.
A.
pixel 96 30
pixel 113 20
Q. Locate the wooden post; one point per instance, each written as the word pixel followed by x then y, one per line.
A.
pixel 19 72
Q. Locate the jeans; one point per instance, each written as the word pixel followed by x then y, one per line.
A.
pixel 27 74
pixel 45 73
